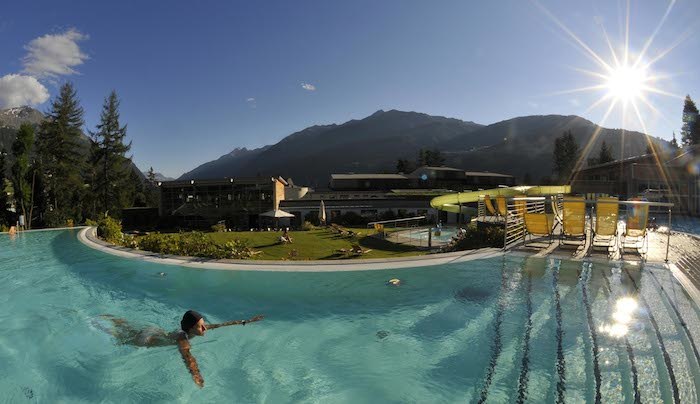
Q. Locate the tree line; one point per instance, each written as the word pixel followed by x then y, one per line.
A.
pixel 426 157
pixel 59 177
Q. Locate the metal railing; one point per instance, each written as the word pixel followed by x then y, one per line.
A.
pixel 516 230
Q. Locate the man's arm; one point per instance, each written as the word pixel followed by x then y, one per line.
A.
pixel 183 345
pixel 235 322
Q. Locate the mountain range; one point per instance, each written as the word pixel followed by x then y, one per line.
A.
pixel 517 146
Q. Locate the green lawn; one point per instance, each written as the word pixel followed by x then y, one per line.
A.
pixel 318 244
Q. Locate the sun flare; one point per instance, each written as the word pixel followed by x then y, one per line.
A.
pixel 626 83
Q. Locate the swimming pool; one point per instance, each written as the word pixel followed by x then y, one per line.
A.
pixel 421 235
pixel 500 329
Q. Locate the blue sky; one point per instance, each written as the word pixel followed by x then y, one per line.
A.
pixel 198 79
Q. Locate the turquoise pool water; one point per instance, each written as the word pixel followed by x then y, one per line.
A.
pixel 498 329
pixel 421 235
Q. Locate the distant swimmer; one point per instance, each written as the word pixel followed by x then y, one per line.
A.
pixel 393 282
pixel 191 325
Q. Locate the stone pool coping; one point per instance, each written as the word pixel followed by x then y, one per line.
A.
pixel 89 237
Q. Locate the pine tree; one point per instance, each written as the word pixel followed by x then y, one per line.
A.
pixel 4 200
pixel 606 154
pixel 689 133
pixel 110 165
pixel 151 189
pixel 566 154
pixel 404 166
pixel 434 158
pixel 61 159
pixel 695 133
pixel 421 161
pixel 674 142
pixel 21 150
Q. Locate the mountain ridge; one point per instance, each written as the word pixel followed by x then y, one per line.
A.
pixel 516 146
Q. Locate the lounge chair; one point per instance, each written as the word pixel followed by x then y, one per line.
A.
pixel 539 225
pixel 573 222
pixel 556 210
pixel 635 233
pixel 520 205
pixel 356 249
pixel 489 206
pixel 501 205
pixel 605 230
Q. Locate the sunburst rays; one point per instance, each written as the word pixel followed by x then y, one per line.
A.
pixel 624 81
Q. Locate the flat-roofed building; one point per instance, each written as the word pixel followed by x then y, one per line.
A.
pixel 352 181
pixel 674 180
pixel 457 179
pixel 425 177
pixel 237 200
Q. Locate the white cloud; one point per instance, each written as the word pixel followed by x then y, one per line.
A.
pixel 575 102
pixel 308 87
pixel 17 90
pixel 54 55
pixel 251 99
pixel 533 104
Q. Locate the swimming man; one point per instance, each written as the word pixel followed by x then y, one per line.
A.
pixel 191 325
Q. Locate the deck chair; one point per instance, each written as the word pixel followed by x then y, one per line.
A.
pixel 489 207
pixel 502 205
pixel 539 225
pixel 356 249
pixel 573 231
pixel 520 206
pixel 556 210
pixel 635 234
pixel 605 230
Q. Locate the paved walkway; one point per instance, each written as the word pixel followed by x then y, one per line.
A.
pixel 685 254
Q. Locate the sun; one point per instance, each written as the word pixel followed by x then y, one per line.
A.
pixel 624 78
pixel 626 83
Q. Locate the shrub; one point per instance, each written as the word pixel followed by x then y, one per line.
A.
pixel 351 219
pixel 110 230
pixel 218 228
pixel 4 228
pixel 312 217
pixel 473 238
pixel 307 226
pixel 195 244
pixel 90 222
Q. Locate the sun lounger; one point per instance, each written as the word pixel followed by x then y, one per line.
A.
pixel 635 233
pixel 605 230
pixel 489 207
pixel 502 206
pixel 573 222
pixel 356 249
pixel 556 210
pixel 539 225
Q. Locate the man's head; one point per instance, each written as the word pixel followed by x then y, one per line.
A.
pixel 193 323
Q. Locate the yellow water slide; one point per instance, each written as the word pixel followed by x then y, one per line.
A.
pixel 451 202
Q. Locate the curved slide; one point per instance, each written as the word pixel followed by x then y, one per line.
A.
pixel 451 202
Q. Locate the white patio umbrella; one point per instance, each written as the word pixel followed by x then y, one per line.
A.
pixel 322 213
pixel 276 214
